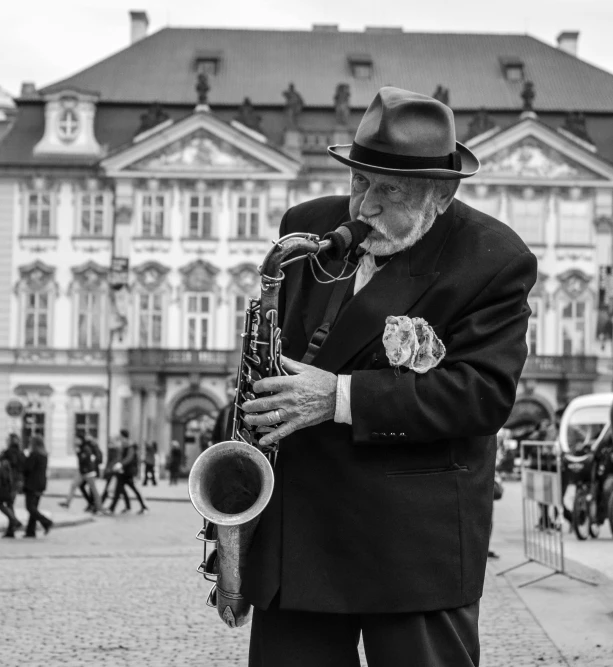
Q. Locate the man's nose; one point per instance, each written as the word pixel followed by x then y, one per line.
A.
pixel 370 205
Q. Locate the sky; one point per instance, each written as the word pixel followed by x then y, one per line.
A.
pixel 43 41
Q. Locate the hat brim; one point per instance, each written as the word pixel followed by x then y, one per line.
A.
pixel 470 165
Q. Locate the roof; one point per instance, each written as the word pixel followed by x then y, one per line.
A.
pixel 260 63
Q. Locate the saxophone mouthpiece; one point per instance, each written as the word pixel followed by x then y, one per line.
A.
pixel 346 238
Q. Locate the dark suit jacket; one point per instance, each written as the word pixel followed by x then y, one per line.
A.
pixel 392 513
pixel 35 473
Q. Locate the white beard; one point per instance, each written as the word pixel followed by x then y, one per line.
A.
pixel 420 221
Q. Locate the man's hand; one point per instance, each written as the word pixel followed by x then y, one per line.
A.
pixel 305 398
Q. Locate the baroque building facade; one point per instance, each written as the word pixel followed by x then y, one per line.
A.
pixel 132 229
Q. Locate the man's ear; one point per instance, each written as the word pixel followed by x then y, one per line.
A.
pixel 445 192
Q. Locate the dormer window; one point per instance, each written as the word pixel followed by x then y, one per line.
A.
pixel 207 63
pixel 361 65
pixel 68 125
pixel 512 68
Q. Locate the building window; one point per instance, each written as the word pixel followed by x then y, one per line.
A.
pixel 200 217
pixel 36 319
pixel 33 424
pixel 533 336
pixel 39 214
pixel 92 215
pixel 248 217
pixel 68 125
pixel 150 320
pixel 86 425
pixel 573 327
pixel 361 66
pixel 89 319
pixel 528 219
pixel 198 324
pixel 575 223
pixel 240 306
pixel 152 216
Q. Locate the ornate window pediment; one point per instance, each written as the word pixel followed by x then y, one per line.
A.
pixel 36 277
pixel 574 282
pixel 199 276
pixel 246 278
pixel 150 275
pixel 90 276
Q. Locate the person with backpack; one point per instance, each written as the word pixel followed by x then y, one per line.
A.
pixel 127 470
pixel 13 460
pixel 34 485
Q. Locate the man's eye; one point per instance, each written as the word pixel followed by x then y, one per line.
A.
pixel 392 189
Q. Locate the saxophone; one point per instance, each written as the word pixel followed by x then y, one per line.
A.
pixel 231 482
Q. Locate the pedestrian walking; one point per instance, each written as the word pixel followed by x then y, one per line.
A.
pixel 174 462
pixel 151 449
pixel 87 467
pixel 127 470
pixel 13 460
pixel 34 485
pixel 112 476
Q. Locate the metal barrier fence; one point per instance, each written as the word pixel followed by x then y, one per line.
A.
pixel 542 509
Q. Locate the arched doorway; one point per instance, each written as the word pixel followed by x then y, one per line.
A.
pixel 193 419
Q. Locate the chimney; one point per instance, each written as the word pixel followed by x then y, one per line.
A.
pixel 139 22
pixel 325 27
pixel 567 41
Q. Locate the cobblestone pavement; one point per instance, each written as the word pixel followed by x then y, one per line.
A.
pixel 124 591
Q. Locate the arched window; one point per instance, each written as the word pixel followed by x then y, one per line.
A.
pixel 575 303
pixel 151 304
pixel 199 294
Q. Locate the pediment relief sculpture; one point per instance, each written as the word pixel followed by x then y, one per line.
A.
pixel 37 276
pixel 151 275
pixel 531 158
pixel 246 278
pixel 89 276
pixel 199 276
pixel 574 282
pixel 200 151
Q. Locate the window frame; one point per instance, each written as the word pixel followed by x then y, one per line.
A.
pixel 150 295
pixel 163 209
pixel 588 219
pixel 261 208
pixel 513 217
pixel 49 207
pixel 48 294
pixel 539 321
pixel 81 209
pixel 199 211
pixel 102 294
pixel 587 323
pixel 86 431
pixel 199 316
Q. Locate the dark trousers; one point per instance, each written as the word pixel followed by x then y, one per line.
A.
pixel 6 507
pixel 105 493
pixel 86 494
pixel 174 476
pixel 448 638
pixel 32 500
pixel 122 482
pixel 149 474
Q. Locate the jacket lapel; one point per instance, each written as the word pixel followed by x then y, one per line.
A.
pixel 393 290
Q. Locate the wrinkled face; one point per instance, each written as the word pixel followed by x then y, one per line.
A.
pixel 400 210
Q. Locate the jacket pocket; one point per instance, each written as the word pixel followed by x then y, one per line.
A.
pixel 426 471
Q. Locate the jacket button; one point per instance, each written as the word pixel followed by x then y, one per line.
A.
pixel 374 435
pixel 402 435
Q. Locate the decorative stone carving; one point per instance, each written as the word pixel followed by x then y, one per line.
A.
pixel 246 278
pixel 293 106
pixel 480 123
pixel 248 116
pixel 202 88
pixel 198 152
pixel 154 115
pixel 90 276
pixel 151 275
pixel 441 94
pixel 530 158
pixel 528 94
pixel 574 282
pixel 342 110
pixel 37 276
pixel 199 276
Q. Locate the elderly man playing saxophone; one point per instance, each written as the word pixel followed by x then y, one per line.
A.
pixel 399 380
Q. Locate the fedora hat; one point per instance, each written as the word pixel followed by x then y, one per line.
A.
pixel 407 134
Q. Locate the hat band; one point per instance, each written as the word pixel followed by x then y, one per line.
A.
pixel 375 158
